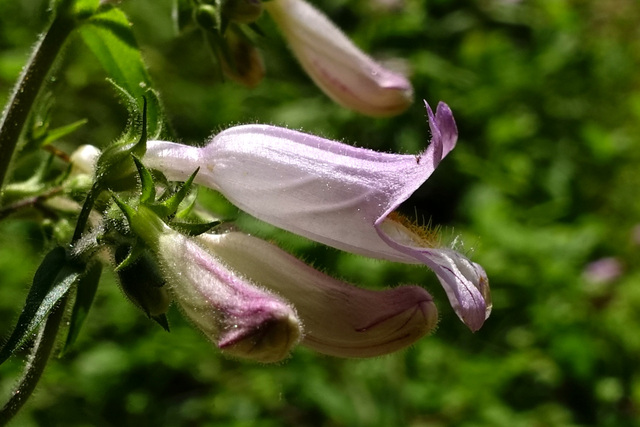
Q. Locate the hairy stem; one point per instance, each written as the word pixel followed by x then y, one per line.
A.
pixel 38 360
pixel 28 86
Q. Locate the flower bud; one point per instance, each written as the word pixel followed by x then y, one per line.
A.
pixel 84 159
pixel 207 16
pixel 142 283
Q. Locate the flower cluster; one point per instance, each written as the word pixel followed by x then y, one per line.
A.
pixel 136 211
pixel 256 301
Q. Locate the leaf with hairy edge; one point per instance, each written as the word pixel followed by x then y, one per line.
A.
pixel 62 131
pixel 51 282
pixel 148 188
pixel 86 291
pixel 193 229
pixel 110 38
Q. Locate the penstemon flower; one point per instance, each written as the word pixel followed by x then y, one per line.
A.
pixel 345 73
pixel 256 301
pixel 335 194
pixel 339 319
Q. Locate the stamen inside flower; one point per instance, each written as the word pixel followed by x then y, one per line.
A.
pixel 409 233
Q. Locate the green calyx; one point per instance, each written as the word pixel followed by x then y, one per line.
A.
pixel 115 169
pixel 142 283
pixel 151 217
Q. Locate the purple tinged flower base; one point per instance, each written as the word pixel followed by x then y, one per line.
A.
pixel 242 319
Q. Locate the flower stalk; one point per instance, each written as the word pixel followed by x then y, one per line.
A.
pixel 42 348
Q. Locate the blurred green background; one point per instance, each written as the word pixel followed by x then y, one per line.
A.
pixel 544 181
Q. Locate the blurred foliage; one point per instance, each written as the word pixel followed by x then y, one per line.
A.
pixel 545 180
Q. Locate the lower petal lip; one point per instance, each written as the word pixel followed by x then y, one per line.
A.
pixel 394 340
pixel 420 306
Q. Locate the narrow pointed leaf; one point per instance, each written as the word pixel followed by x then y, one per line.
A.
pixel 132 257
pixel 172 203
pixel 192 229
pixel 87 286
pixel 190 204
pixel 126 209
pixel 162 321
pixel 52 280
pixel 62 131
pixel 110 38
pixel 146 181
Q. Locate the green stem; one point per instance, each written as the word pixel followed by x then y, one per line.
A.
pixel 29 84
pixel 39 357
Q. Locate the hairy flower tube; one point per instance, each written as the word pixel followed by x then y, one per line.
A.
pixel 335 194
pixel 242 319
pixel 256 301
pixel 339 319
pixel 345 73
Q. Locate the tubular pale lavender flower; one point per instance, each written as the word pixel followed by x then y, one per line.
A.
pixel 339 319
pixel 336 65
pixel 335 194
pixel 242 319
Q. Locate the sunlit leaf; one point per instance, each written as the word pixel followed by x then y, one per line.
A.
pixel 109 36
pixel 148 188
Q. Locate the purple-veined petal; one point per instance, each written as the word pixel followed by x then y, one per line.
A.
pixel 345 73
pixel 339 319
pixel 332 193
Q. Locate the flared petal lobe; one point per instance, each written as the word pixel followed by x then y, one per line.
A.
pixel 332 193
pixel 339 319
pixel 336 65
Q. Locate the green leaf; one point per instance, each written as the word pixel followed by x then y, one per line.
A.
pixel 86 291
pixel 128 211
pixel 62 131
pixel 51 282
pixel 172 203
pixel 193 229
pixel 146 181
pixel 85 8
pixel 132 257
pixel 190 204
pixel 162 320
pixel 111 39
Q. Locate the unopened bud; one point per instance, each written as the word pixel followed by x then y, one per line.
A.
pixel 84 159
pixel 207 16
pixel 143 284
